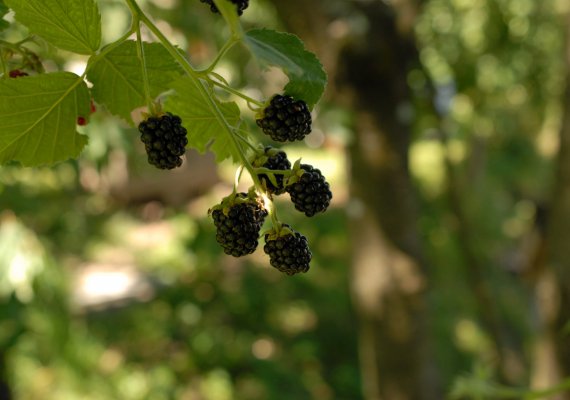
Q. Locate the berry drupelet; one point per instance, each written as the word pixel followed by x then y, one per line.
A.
pixel 311 193
pixel 285 119
pixel 164 139
pixel 238 224
pixel 241 5
pixel 288 251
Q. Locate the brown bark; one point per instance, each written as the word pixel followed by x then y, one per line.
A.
pixel 388 271
pixel 388 276
pixel 5 391
pixel 549 270
pixel 558 236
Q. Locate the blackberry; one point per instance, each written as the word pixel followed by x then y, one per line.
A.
pixel 288 251
pixel 164 140
pixel 238 220
pixel 273 159
pixel 286 119
pixel 311 192
pixel 241 5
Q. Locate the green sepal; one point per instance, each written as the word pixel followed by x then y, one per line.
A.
pixel 296 174
pixel 279 230
pixel 251 197
pixel 229 12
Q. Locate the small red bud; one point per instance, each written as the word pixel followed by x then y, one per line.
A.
pixel 16 73
pixel 93 108
pixel 81 121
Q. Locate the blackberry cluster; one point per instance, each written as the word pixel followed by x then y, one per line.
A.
pixel 238 227
pixel 288 253
pixel 276 160
pixel 241 5
pixel 164 139
pixel 286 119
pixel 311 194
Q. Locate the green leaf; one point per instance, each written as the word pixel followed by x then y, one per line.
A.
pixel 73 25
pixel 307 78
pixel 38 116
pixel 229 11
pixel 3 11
pixel 205 132
pixel 118 81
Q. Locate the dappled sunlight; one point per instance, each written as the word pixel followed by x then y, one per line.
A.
pixel 97 285
pixel 439 134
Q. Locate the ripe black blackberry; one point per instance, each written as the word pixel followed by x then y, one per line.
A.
pixel 241 5
pixel 311 193
pixel 285 119
pixel 273 159
pixel 164 140
pixel 288 250
pixel 238 220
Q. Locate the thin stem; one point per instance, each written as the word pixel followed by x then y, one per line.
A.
pixel 142 58
pixel 14 47
pixel 117 43
pixel 184 63
pixel 273 213
pixel 4 66
pixel 244 140
pixel 108 49
pixel 225 48
pixel 217 76
pixel 25 40
pixel 237 178
pixel 200 85
pixel 237 93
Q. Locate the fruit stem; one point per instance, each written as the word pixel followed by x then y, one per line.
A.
pixel 142 58
pixel 237 178
pixel 194 75
pixel 228 12
pixel 11 46
pixel 200 85
pixel 273 213
pixel 25 40
pixel 4 67
pixel 244 140
pixel 236 92
pixel 225 48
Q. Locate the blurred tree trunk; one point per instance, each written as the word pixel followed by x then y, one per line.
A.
pixel 551 265
pixel 369 72
pixel 558 236
pixel 5 392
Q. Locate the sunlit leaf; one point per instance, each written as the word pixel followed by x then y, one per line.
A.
pixel 118 81
pixel 38 116
pixel 307 78
pixel 73 25
pixel 205 131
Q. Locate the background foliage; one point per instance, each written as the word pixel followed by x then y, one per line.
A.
pixel 195 324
